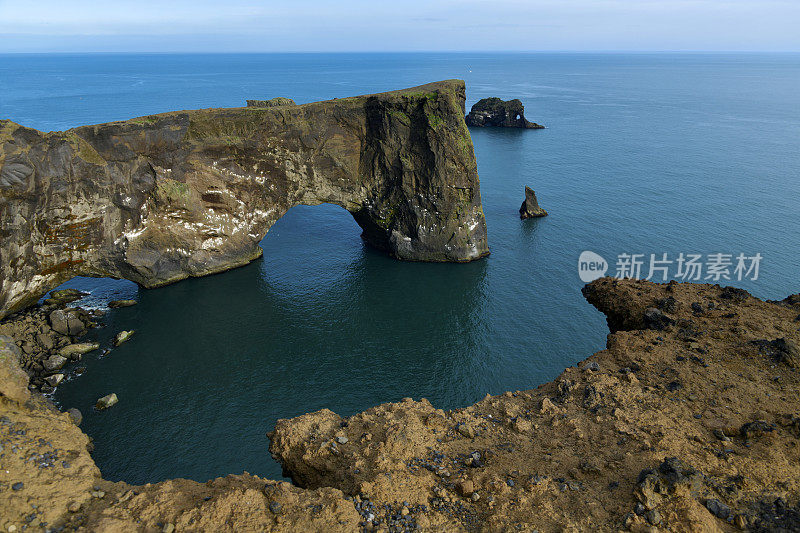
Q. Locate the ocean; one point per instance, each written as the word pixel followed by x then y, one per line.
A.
pixel 644 154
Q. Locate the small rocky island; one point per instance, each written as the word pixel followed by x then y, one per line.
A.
pixel 530 206
pixel 500 113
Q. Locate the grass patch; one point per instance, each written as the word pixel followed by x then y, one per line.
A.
pixel 84 150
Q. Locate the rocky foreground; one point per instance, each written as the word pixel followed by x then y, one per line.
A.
pixel 689 420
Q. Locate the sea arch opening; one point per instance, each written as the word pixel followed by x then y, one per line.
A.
pixel 266 341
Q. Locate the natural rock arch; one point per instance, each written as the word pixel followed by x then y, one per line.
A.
pixel 161 198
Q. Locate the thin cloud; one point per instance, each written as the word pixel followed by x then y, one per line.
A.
pixel 307 25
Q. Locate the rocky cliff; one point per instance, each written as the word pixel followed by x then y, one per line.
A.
pixel 160 198
pixel 689 420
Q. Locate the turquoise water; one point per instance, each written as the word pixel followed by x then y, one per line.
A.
pixel 644 153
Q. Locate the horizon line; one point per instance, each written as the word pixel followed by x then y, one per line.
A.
pixel 330 52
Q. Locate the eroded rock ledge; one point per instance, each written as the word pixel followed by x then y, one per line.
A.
pixel 157 199
pixel 689 420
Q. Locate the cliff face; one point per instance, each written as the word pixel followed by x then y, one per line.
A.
pixel 689 420
pixel 164 197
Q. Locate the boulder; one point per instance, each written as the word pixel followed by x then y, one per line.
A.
pixel 54 380
pixel 121 303
pixel 106 401
pixel 74 351
pixel 45 340
pixel 75 415
pixel 500 113
pixel 530 207
pixel 465 487
pixel 54 362
pixel 781 350
pixel 656 319
pixel 65 296
pixel 67 322
pixel 790 351
pixel 122 336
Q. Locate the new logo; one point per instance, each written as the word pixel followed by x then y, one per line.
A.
pixel 591 266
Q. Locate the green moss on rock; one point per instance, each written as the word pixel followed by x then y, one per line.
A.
pixel 172 192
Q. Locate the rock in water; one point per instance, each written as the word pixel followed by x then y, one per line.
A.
pixel 121 303
pixel 162 198
pixel 500 113
pixel 75 415
pixel 54 380
pixel 65 296
pixel 274 102
pixel 73 351
pixel 106 401
pixel 530 207
pixel 122 336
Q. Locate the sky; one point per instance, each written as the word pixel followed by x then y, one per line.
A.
pixel 398 25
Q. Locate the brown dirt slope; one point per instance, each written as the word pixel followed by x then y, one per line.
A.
pixel 689 420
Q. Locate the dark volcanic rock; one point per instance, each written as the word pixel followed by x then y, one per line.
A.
pixel 67 322
pixel 65 296
pixel 121 303
pixel 161 198
pixel 500 113
pixel 530 207
pixel 656 319
pixel 782 350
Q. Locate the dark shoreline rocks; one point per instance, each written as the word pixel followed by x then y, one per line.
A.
pixel 64 296
pixel 530 206
pixel 114 304
pixel 494 112
pixel 48 335
pixel 48 338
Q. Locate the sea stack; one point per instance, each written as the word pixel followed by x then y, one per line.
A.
pixel 530 207
pixel 501 114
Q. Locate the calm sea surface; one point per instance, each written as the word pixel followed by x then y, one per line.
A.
pixel 644 153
